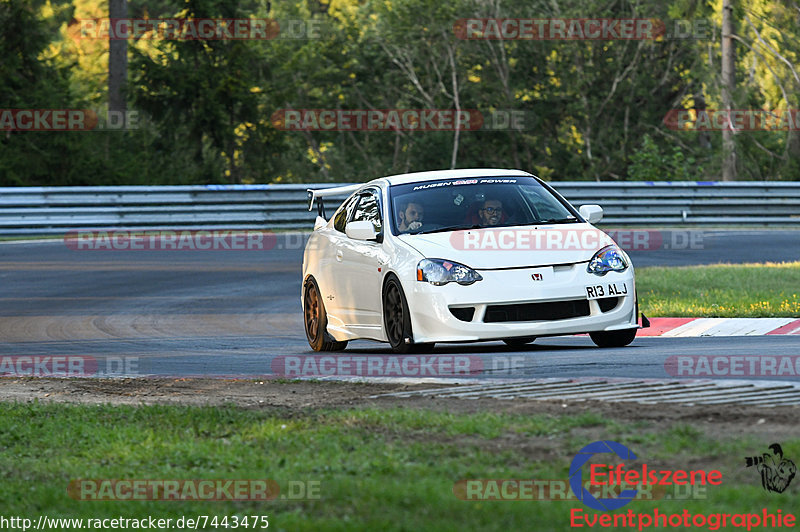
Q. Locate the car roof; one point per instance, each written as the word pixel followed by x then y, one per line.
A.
pixel 416 177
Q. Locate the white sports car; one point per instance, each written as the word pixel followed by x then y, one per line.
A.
pixel 462 256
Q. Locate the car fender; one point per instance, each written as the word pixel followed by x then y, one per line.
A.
pixel 404 267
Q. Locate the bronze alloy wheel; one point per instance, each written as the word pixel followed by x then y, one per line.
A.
pixel 316 320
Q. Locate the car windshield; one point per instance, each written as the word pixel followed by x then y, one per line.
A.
pixel 453 204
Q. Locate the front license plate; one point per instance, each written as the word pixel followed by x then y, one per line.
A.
pixel 606 290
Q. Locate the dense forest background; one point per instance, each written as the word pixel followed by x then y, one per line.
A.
pixel 593 110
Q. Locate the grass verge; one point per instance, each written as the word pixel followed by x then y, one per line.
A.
pixel 378 469
pixel 721 290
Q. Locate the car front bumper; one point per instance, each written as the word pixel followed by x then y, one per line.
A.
pixel 540 301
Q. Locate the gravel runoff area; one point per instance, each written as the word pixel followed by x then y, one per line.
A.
pixel 300 396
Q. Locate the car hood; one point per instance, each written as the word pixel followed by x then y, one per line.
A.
pixel 509 247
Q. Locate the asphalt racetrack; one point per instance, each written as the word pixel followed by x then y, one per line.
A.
pixel 237 313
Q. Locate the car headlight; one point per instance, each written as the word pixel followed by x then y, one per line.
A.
pixel 608 259
pixel 439 272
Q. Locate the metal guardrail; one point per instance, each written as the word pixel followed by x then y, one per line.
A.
pixel 57 210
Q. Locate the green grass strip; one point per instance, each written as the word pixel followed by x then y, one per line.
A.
pixel 725 290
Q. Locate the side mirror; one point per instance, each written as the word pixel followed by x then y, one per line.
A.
pixel 591 213
pixel 361 230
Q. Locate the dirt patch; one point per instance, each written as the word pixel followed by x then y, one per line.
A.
pixel 195 392
pixel 767 423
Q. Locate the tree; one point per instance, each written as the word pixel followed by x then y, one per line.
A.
pixel 728 87
pixel 117 59
pixel 198 92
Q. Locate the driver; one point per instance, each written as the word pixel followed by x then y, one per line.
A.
pixel 410 215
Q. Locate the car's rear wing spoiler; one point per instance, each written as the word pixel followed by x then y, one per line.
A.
pixel 316 195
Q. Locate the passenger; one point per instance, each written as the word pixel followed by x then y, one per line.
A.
pixel 491 212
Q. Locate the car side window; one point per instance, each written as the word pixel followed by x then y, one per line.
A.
pixel 369 209
pixel 344 212
pixel 544 207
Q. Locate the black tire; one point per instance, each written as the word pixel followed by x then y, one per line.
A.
pixel 613 338
pixel 422 348
pixel 519 342
pixel 315 320
pixel 397 320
